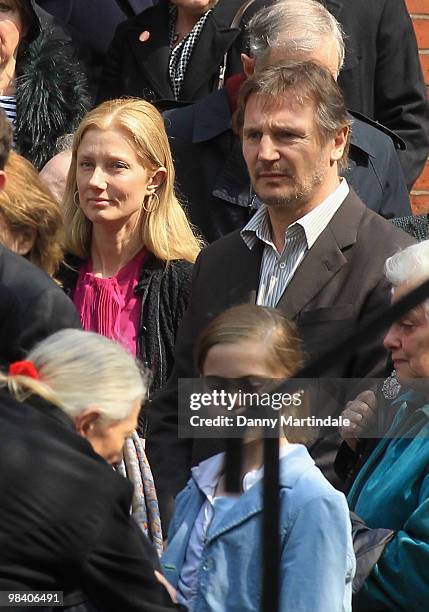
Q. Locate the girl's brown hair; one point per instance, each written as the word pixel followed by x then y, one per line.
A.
pixel 272 330
pixel 248 322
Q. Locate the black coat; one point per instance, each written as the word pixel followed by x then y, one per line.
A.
pixel 140 69
pixel 32 307
pixel 65 519
pixel 382 77
pixel 93 22
pixel 214 185
pixel 339 284
pixel 51 89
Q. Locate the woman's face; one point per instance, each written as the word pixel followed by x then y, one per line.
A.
pixel 108 439
pixel 408 342
pixel 111 179
pixel 11 30
pixel 239 366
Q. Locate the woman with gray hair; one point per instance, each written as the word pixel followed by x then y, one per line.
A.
pixel 65 521
pixel 391 490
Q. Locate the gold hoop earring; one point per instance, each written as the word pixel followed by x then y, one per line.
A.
pixel 152 206
pixel 77 204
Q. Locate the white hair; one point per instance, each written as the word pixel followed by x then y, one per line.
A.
pixel 408 266
pixel 78 369
pixel 299 26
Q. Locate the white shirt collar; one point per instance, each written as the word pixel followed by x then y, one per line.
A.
pixel 313 223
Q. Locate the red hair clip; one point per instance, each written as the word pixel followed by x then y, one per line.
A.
pixel 23 368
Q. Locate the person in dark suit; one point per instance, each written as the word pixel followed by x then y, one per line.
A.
pixel 32 306
pixel 95 21
pixel 212 177
pixel 310 250
pixel 65 521
pixel 139 59
pixel 91 25
pixel 382 77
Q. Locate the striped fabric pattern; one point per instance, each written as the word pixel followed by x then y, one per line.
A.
pixel 181 53
pixel 277 269
pixel 8 104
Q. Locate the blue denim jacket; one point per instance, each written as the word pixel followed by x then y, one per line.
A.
pixel 317 559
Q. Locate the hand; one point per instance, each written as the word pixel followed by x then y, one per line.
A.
pixel 361 414
pixel 170 588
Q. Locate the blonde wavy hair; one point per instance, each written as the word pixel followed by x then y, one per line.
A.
pixel 78 369
pixel 27 203
pixel 166 231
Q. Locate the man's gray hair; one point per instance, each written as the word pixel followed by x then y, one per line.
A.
pixel 408 266
pixel 298 26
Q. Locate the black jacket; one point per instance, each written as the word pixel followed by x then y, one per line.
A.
pixel 338 285
pixel 91 25
pixel 140 69
pixel 65 519
pixel 51 91
pixel 382 77
pixel 165 291
pixel 94 22
pixel 214 184
pixel 32 307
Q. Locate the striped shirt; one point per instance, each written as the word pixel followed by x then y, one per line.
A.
pixel 8 104
pixel 277 269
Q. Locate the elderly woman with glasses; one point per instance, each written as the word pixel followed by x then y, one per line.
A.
pixel 391 491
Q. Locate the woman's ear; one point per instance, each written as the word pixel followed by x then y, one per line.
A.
pixel 86 422
pixel 24 240
pixel 157 178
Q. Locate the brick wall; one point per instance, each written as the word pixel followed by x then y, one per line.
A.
pixel 419 11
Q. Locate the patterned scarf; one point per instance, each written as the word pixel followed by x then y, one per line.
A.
pixel 135 467
pixel 181 53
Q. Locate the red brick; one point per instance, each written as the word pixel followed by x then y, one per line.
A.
pixel 420 204
pixel 421 28
pixel 417 6
pixel 422 183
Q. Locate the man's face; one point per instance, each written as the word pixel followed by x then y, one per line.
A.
pixel 287 163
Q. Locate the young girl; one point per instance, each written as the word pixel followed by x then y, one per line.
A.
pixel 215 549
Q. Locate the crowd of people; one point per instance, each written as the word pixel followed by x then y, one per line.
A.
pixel 212 191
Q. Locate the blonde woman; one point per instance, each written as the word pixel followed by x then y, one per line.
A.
pixel 30 219
pixel 131 244
pixel 131 250
pixel 65 524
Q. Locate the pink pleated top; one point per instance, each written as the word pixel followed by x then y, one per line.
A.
pixel 109 306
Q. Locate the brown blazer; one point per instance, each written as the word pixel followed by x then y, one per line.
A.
pixel 339 283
